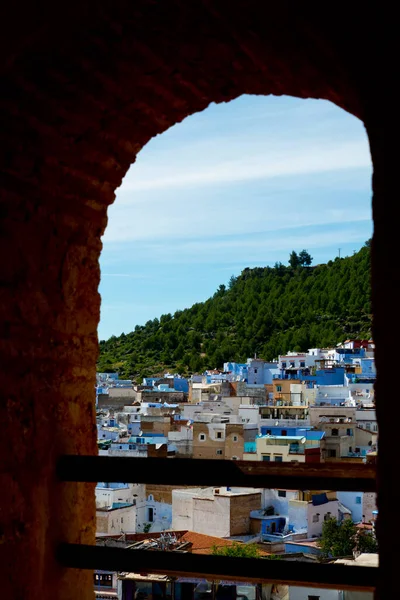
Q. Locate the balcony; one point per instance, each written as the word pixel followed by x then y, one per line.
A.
pixel 297 422
pixel 296 449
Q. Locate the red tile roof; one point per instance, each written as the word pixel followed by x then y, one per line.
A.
pixel 202 544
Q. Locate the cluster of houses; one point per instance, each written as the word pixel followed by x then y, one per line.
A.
pixel 306 407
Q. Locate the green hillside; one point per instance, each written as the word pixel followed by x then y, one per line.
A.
pixel 264 310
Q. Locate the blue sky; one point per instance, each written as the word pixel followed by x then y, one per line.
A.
pixel 238 185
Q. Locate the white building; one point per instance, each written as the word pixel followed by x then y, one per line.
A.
pixel 121 518
pixel 157 516
pixel 317 513
pixel 221 512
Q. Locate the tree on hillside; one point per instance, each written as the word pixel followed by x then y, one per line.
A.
pixel 268 311
pixel 279 267
pixel 232 282
pixel 294 260
pixel 305 259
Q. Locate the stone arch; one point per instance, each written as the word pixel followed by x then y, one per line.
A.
pixel 82 93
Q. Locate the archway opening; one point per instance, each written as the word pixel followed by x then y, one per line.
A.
pixel 199 271
pixel 239 185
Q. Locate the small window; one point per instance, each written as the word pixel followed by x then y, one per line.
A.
pixel 219 452
pixel 313 597
pixel 283 432
pixel 266 457
pixel 332 453
pixel 358 450
pixel 255 370
pixel 282 493
pixel 269 432
pixel 219 434
pixel 327 516
pixel 292 365
pixel 349 432
pixel 302 364
pixel 122 520
pixel 150 515
pixel 278 458
pixel 315 518
pixel 202 437
pixel 278 388
pixel 335 432
pixel 358 499
pixel 283 365
pixel 235 438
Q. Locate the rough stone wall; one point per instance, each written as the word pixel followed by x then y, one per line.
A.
pixel 82 93
pixel 163 493
pixel 232 447
pixel 207 448
pixel 169 397
pixel 368 505
pixel 106 401
pixel 101 523
pixel 241 506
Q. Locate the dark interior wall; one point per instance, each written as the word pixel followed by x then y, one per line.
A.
pixel 81 93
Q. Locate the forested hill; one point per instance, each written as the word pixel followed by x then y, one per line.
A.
pixel 264 310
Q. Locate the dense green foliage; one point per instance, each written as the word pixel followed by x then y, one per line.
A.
pixel 338 538
pixel 267 311
pixel 341 539
pixel 237 550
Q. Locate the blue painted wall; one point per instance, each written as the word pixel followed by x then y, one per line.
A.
pixel 292 547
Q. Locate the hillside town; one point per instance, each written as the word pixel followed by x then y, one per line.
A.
pixel 311 407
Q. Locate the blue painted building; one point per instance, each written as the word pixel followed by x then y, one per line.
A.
pixel 179 384
pixel 303 547
pixel 273 526
pixel 313 436
pixel 334 376
pixel 254 372
pixel 153 438
pixel 112 485
pixel 347 355
pixel 134 428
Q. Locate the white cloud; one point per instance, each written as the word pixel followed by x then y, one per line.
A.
pixel 278 163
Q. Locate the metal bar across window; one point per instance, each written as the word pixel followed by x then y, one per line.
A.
pixel 250 570
pixel 205 472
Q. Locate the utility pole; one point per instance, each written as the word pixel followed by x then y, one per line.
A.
pixel 339 252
